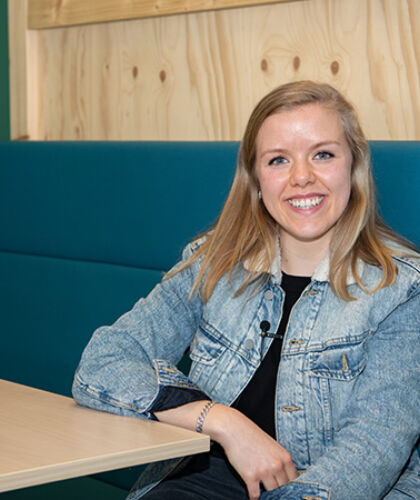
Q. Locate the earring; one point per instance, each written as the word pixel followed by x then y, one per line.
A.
pixel 259 194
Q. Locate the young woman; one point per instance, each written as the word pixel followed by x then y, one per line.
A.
pixel 301 310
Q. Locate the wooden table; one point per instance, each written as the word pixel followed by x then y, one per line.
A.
pixel 46 437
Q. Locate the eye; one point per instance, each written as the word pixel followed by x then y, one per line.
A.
pixel 323 155
pixel 278 160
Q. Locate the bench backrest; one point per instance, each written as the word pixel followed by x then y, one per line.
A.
pixel 87 228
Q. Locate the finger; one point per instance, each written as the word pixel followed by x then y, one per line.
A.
pixel 281 478
pixel 290 471
pixel 254 490
pixel 285 477
pixel 271 483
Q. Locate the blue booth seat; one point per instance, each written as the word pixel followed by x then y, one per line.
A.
pixel 86 228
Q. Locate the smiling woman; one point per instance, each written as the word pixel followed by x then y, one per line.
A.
pixel 248 231
pixel 330 394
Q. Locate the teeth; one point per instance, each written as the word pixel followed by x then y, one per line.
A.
pixel 305 203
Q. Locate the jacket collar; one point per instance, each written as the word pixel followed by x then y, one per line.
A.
pixel 321 272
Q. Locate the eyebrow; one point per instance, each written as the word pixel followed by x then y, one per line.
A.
pixel 315 146
pixel 326 143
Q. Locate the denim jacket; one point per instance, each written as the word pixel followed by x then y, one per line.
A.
pixel 347 397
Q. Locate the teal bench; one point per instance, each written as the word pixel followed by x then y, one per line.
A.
pixel 88 227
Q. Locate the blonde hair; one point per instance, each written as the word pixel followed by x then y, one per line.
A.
pixel 246 231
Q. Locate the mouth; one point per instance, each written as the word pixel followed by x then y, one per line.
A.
pixel 306 203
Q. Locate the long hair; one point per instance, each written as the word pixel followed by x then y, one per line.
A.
pixel 245 231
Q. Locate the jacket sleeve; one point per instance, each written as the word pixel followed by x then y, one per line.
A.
pixel 382 425
pixel 127 368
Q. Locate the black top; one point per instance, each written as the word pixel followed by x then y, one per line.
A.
pixel 257 400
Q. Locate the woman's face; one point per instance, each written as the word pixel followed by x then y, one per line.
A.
pixel 303 167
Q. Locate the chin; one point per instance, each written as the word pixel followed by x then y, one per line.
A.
pixel 310 236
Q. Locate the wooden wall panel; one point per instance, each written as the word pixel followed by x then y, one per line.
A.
pixel 197 76
pixel 23 74
pixel 56 13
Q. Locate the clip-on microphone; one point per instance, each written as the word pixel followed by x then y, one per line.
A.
pixel 265 326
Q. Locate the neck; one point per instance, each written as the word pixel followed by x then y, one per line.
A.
pixel 301 258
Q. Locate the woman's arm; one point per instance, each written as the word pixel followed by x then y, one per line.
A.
pixel 126 368
pixel 129 369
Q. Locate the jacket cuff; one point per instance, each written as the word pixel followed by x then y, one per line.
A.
pixel 172 397
pixel 174 388
pixel 296 490
pixel 169 375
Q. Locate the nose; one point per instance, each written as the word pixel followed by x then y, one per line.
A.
pixel 301 173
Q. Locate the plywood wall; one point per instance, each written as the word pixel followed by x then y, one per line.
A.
pixel 196 76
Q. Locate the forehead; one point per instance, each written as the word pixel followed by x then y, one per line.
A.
pixel 308 123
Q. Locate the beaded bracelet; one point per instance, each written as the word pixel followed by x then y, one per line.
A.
pixel 203 415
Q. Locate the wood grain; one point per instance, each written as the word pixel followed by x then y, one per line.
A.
pixel 197 76
pixel 18 70
pixel 58 13
pixel 47 437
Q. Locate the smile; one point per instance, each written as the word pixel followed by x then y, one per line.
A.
pixel 306 203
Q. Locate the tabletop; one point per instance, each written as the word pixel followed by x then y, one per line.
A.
pixel 47 437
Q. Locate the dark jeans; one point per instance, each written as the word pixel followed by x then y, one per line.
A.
pixel 204 477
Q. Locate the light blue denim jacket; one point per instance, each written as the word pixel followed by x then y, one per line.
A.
pixel 347 401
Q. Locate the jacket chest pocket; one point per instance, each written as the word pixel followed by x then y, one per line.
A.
pixel 333 373
pixel 205 349
pixel 342 362
pixel 206 352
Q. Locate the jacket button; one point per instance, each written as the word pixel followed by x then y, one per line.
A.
pixel 268 295
pixel 249 344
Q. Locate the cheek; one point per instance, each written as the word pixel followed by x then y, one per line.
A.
pixel 264 185
pixel 271 182
pixel 343 190
pixel 261 178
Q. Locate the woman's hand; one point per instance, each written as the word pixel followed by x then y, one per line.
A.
pixel 255 455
